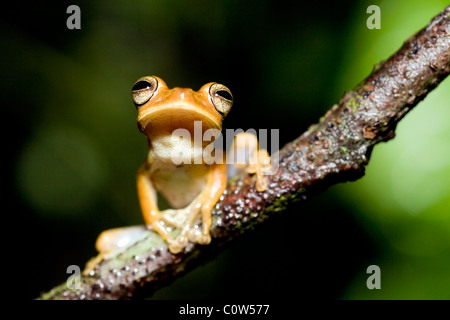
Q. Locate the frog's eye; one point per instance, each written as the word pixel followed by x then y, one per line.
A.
pixel 143 90
pixel 221 98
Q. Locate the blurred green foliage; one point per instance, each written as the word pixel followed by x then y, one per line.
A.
pixel 75 145
pixel 404 199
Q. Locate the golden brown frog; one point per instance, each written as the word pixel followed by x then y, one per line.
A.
pixel 177 168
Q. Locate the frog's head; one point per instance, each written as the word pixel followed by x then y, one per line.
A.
pixel 162 110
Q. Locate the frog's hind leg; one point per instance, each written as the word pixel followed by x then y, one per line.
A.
pixel 148 201
pixel 113 240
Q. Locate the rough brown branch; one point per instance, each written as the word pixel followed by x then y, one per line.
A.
pixel 336 149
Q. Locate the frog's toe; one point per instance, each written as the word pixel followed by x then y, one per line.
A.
pixel 204 239
pixel 175 248
pixel 178 244
pixel 194 233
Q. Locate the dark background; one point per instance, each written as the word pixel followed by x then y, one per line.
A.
pixel 73 145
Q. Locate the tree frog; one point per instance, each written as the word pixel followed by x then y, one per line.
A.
pixel 191 187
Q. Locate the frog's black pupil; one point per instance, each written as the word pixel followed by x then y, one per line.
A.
pixel 142 85
pixel 224 94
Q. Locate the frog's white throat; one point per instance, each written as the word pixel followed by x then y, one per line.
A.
pixel 169 149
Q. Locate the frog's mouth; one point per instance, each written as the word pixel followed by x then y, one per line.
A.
pixel 167 119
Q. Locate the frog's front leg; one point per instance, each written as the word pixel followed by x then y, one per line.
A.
pixel 149 205
pixel 201 205
pixel 247 156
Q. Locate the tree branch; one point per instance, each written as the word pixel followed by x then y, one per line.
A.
pixel 337 149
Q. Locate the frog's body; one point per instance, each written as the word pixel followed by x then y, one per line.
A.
pixel 192 188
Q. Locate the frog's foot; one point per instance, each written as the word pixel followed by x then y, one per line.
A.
pixel 259 164
pixel 186 220
pixel 112 240
pixel 174 217
pixel 196 235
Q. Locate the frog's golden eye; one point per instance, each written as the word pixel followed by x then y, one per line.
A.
pixel 143 90
pixel 221 98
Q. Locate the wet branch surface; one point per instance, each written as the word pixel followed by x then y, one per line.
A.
pixel 337 149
